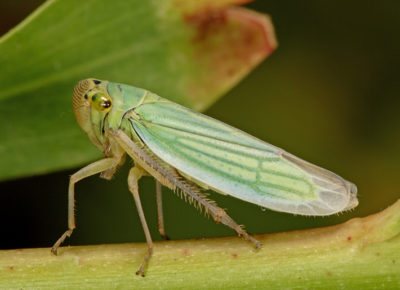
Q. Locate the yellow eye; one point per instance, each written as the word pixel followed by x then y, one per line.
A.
pixel 100 101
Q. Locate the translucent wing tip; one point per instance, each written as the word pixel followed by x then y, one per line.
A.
pixel 335 193
pixel 353 201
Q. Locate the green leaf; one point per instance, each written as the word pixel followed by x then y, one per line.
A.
pixel 191 52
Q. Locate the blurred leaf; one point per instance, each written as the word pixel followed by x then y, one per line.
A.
pixel 188 51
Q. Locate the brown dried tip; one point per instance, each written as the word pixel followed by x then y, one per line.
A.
pixel 227 43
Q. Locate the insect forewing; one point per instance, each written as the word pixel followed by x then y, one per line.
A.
pixel 223 158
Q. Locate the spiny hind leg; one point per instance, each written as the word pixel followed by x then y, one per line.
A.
pixel 91 169
pixel 170 178
pixel 218 214
pixel 134 175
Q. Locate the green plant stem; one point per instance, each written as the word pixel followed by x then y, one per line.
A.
pixel 361 253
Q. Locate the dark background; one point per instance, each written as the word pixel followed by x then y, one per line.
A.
pixel 329 94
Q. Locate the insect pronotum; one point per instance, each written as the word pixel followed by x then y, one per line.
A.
pixel 188 151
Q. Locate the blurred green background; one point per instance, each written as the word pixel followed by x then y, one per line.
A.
pixel 329 94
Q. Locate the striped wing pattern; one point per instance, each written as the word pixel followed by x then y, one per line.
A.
pixel 218 156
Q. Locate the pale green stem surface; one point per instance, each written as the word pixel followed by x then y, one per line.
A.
pixel 363 253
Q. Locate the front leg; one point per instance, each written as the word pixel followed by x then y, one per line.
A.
pixel 91 169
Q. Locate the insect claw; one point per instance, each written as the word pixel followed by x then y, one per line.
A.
pixel 258 245
pixel 54 252
pixel 165 237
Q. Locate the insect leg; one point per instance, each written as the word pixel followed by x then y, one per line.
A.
pixel 219 215
pixel 160 214
pixel 168 177
pixel 134 175
pixel 91 169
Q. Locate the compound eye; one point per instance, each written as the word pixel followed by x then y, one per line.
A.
pixel 100 101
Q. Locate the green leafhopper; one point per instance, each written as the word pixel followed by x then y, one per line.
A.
pixel 188 151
